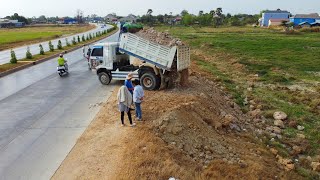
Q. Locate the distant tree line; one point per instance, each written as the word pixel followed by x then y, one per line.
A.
pixel 16 16
pixel 213 18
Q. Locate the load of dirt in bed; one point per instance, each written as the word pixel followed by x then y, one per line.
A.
pixel 162 38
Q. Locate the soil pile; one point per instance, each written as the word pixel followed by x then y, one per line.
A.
pixel 188 133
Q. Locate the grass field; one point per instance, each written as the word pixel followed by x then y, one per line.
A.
pixel 282 69
pixel 10 38
pixel 8 66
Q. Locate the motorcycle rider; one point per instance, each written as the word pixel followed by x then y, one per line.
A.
pixel 62 62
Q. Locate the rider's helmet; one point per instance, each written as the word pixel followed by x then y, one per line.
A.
pixel 61 55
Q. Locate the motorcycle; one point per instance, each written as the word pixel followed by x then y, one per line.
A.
pixel 63 70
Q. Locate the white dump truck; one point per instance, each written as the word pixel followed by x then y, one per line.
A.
pixel 158 62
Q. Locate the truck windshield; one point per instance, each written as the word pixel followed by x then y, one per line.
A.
pixel 97 52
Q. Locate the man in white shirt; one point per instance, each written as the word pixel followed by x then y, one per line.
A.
pixel 138 96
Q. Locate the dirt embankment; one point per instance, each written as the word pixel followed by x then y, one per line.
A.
pixel 188 133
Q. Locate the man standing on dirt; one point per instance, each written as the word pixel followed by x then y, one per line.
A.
pixel 138 96
pixel 128 83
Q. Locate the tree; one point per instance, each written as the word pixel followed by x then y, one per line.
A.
pixel 41 50
pixel 90 36
pixel 218 17
pixel 79 16
pixel 149 12
pixel 19 18
pixel 13 59
pixel 51 48
pixel 28 53
pixel 200 13
pixel 219 11
pixel 83 38
pixel 187 20
pixel 87 38
pixel 79 39
pixel 67 42
pixel 59 46
pixel 183 13
pixel 74 42
pixel 42 18
pixel 149 15
pixel 234 21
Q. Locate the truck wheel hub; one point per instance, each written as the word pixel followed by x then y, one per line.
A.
pixel 147 82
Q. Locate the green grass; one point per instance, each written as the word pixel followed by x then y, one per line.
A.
pixel 259 49
pixel 10 38
pixel 278 58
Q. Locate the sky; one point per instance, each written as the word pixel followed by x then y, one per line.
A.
pixel 61 8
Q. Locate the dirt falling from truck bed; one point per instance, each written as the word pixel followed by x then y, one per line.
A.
pixel 189 133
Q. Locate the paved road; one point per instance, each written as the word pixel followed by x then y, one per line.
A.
pixel 34 48
pixel 42 115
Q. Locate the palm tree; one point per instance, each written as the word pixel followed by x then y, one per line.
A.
pixel 219 11
pixel 200 13
pixel 149 12
pixel 213 13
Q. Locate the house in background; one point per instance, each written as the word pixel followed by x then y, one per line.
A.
pixel 277 22
pixel 304 25
pixel 277 14
pixel 111 18
pixel 70 21
pixel 130 18
pixel 315 24
pixel 6 23
pixel 301 18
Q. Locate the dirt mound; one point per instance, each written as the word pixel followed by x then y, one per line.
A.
pixel 162 38
pixel 207 127
pixel 188 133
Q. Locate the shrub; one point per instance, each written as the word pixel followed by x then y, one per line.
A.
pixel 74 42
pixel 28 53
pixel 79 39
pixel 51 48
pixel 67 42
pixel 13 59
pixel 97 34
pixel 59 46
pixel 83 38
pixel 41 50
pixel 87 38
pixel 90 36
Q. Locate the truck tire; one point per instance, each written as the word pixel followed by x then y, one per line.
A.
pixel 104 78
pixel 149 81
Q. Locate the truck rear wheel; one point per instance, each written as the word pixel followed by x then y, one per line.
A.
pixel 104 78
pixel 149 81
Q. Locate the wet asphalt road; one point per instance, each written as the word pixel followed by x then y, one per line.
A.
pixel 42 115
pixel 34 48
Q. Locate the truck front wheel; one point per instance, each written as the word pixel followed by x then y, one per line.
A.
pixel 149 81
pixel 104 78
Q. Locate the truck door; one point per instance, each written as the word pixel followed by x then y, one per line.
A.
pixel 96 56
pixel 108 57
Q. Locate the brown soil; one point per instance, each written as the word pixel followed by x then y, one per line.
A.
pixel 188 133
